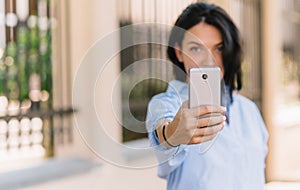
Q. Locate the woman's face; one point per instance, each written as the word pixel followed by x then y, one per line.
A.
pixel 201 46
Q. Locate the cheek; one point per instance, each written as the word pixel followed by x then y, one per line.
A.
pixel 220 64
pixel 189 63
pixel 219 61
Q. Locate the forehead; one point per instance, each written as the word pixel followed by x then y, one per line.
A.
pixel 205 33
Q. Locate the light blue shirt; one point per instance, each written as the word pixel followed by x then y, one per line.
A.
pixel 236 159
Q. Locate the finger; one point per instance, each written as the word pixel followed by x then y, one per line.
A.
pixel 185 105
pixel 201 139
pixel 210 121
pixel 208 109
pixel 183 108
pixel 207 131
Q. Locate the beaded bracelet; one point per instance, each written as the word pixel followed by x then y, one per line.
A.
pixel 164 136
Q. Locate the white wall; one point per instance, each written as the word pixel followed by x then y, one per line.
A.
pixel 88 22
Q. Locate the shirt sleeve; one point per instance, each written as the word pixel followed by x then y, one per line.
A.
pixel 164 107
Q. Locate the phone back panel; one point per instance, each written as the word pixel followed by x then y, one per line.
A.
pixel 204 86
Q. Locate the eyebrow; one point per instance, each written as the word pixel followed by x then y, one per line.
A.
pixel 195 43
pixel 199 44
pixel 221 43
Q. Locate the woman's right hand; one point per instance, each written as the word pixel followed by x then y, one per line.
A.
pixel 195 125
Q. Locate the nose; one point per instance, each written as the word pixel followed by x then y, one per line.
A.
pixel 206 58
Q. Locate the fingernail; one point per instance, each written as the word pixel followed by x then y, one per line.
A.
pixel 224 118
pixel 224 109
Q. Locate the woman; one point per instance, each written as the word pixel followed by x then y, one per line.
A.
pixel 236 158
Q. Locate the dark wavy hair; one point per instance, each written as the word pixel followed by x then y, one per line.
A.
pixel 232 53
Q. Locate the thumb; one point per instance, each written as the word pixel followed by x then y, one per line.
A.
pixel 185 104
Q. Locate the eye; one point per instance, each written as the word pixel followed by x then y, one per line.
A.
pixel 195 49
pixel 220 49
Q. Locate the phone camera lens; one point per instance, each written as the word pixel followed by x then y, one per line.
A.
pixel 204 76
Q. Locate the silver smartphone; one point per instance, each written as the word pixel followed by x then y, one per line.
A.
pixel 205 89
pixel 204 86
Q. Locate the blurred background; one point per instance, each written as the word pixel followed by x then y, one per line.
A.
pixel 43 43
